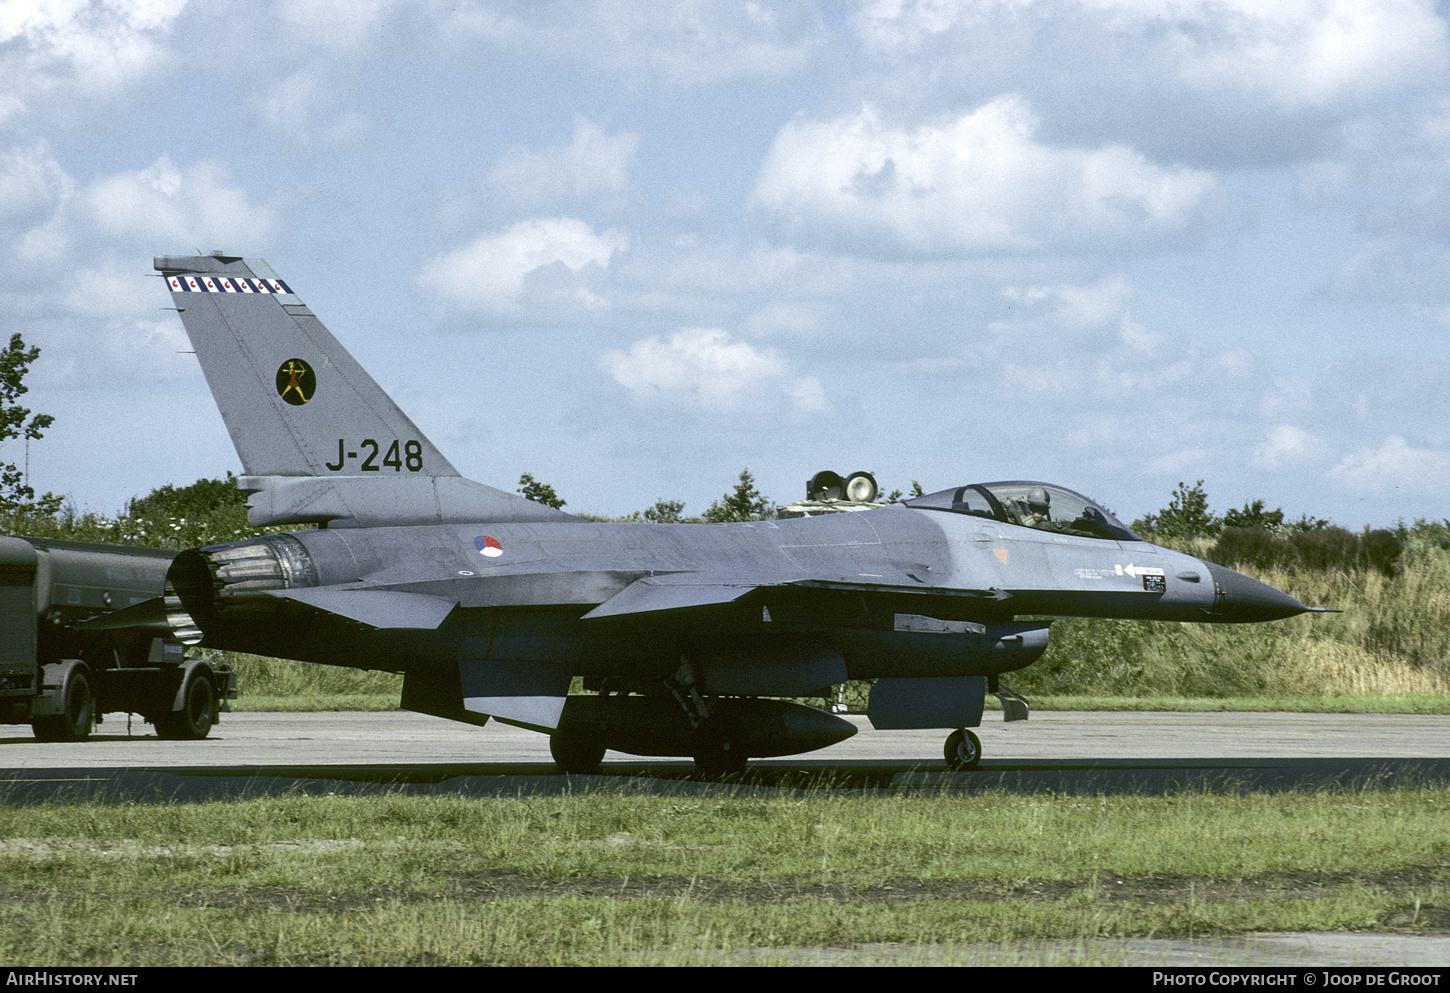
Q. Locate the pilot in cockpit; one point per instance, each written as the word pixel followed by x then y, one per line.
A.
pixel 1032 509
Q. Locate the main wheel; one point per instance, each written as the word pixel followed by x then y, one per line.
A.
pixel 198 710
pixel 79 717
pixel 963 750
pixel 716 750
pixel 575 754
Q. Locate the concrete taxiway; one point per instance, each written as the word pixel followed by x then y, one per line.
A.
pixel 1060 751
pixel 400 736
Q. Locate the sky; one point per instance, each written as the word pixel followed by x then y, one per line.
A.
pixel 633 247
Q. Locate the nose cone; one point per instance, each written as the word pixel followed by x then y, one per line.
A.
pixel 1239 599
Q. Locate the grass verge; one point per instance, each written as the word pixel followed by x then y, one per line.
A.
pixel 611 878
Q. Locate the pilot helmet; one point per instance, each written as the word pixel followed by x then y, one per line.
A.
pixel 1037 500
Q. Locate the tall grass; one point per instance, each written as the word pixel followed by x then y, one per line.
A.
pixel 284 685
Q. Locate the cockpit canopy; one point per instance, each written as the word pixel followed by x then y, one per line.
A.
pixel 1028 504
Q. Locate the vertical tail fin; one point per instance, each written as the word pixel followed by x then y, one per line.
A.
pixel 319 440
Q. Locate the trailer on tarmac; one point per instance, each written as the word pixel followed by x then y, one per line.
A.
pixel 62 666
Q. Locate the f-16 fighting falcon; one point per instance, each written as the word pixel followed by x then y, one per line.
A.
pixel 689 639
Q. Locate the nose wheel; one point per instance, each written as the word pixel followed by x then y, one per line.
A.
pixel 963 751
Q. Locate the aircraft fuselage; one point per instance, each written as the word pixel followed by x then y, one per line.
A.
pixel 871 582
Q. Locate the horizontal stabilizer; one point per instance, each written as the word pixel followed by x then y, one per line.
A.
pixel 384 609
pixel 146 615
pixel 652 594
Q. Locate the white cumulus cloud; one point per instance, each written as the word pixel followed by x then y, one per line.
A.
pixel 32 184
pixel 94 233
pixel 1392 468
pixel 1288 446
pixel 335 24
pixel 593 165
pixel 489 273
pixel 1096 315
pixel 1293 54
pixel 165 204
pixel 303 108
pixel 980 182
pixel 687 42
pixel 78 49
pixel 1306 53
pixel 704 369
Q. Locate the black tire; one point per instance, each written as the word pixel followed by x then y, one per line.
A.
pixel 575 754
pixel 963 751
pixel 716 751
pixel 194 720
pixel 79 717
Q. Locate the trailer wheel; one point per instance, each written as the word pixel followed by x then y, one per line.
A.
pixel 79 717
pixel 194 720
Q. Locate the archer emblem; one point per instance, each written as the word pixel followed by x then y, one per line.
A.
pixel 296 382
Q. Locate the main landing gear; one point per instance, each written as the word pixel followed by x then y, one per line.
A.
pixel 715 743
pixel 716 736
pixel 576 754
pixel 717 749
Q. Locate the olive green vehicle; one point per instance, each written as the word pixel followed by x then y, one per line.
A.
pixel 64 663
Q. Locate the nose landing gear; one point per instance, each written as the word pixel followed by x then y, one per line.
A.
pixel 963 751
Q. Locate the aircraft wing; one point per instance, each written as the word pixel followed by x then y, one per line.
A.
pixel 678 592
pixel 381 609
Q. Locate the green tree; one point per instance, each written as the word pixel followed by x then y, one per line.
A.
pixel 1186 516
pixel 744 503
pixel 208 512
pixel 539 492
pixel 201 498
pixel 1254 516
pixel 666 512
pixel 16 495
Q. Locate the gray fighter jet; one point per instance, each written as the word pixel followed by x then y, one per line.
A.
pixel 688 638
